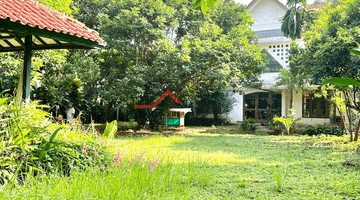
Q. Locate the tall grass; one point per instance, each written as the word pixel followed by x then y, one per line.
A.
pixel 134 181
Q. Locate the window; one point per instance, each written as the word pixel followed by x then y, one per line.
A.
pixel 262 106
pixel 173 114
pixel 287 45
pixel 282 45
pixel 282 58
pixel 287 49
pixel 315 107
pixel 282 49
pixel 278 54
pixel 274 46
pixel 286 54
pixel 278 50
pixel 278 46
pixel 269 47
pixel 286 61
pixel 274 50
pixel 282 54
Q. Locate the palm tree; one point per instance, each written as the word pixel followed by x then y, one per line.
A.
pixel 292 24
pixel 294 18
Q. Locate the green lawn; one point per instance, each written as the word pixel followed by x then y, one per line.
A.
pixel 216 163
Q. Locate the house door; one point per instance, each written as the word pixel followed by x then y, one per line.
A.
pixel 262 106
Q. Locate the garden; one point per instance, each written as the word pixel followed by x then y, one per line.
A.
pixel 113 151
pixel 50 161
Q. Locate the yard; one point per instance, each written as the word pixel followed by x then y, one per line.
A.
pixel 214 163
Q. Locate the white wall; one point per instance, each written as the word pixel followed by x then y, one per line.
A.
pixel 266 14
pixel 285 103
pixel 236 114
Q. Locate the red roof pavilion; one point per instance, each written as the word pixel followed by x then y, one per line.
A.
pixel 27 25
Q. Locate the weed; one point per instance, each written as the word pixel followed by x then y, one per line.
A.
pixel 279 177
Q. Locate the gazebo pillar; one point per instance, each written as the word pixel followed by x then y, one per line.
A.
pixel 27 68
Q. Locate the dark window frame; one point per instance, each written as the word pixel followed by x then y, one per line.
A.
pixel 318 108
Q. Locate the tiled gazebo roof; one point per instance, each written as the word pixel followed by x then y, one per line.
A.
pixel 51 29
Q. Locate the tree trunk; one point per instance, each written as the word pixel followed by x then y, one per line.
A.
pixel 357 132
pixel 291 98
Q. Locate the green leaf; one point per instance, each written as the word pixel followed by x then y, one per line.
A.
pixel 110 129
pixel 211 3
pixel 3 101
pixel 342 81
pixel 47 147
pixel 304 3
pixel 204 7
pixel 355 50
pixel 196 3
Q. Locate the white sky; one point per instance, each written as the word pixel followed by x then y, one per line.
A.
pixel 246 2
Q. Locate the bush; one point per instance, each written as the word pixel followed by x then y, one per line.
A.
pixel 276 125
pixel 155 119
pixel 33 145
pixel 248 125
pixel 314 130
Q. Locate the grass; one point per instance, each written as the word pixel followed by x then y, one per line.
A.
pixel 213 163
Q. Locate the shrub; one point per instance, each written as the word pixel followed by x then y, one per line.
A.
pixel 248 125
pixel 155 119
pixel 314 130
pixel 288 122
pixel 32 145
pixel 276 125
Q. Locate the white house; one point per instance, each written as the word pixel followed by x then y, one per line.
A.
pixel 262 104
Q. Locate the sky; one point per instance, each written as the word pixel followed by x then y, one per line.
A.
pixel 246 2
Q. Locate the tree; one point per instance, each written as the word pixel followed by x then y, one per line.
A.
pixel 219 102
pixel 294 19
pixel 166 45
pixel 326 55
pixel 345 97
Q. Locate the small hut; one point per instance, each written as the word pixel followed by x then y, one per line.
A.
pixel 176 116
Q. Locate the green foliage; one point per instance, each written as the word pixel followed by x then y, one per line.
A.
pixel 279 177
pixel 205 5
pixel 276 125
pixel 156 118
pixel 248 125
pixel 218 102
pixel 327 43
pixel 196 161
pixel 166 45
pixel 31 145
pixel 342 82
pixel 294 19
pixel 316 130
pixel 110 129
pixel 288 122
pixel 132 123
pixel 59 5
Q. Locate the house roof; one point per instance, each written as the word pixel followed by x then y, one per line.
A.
pixel 276 1
pixel 28 17
pixel 185 110
pixel 269 33
pixel 316 7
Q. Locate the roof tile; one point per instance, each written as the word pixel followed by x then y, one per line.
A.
pixel 34 14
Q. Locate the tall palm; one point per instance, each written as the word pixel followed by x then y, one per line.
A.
pixel 294 18
pixel 292 24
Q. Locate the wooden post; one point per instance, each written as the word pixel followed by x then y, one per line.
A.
pixel 27 68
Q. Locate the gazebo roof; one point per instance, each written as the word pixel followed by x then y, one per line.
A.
pixel 51 29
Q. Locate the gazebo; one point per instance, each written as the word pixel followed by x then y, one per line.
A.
pixel 27 25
